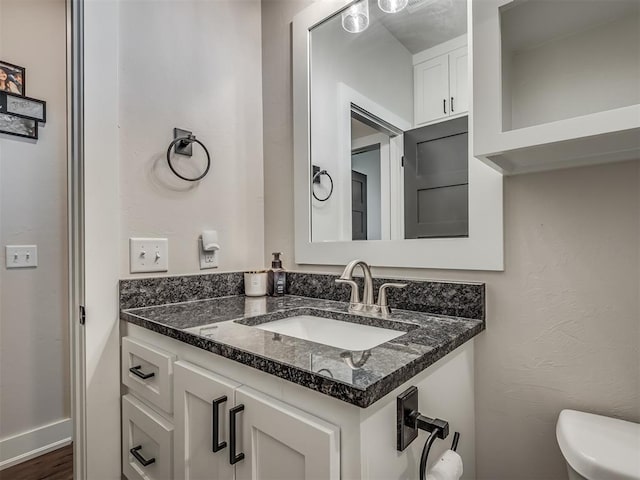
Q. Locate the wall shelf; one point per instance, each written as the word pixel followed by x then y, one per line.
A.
pixel 556 84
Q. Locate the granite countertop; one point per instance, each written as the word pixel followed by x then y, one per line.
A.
pixel 226 327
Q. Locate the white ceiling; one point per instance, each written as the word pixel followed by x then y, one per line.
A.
pixel 424 23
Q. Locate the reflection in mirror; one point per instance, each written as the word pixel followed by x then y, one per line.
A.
pixel 388 115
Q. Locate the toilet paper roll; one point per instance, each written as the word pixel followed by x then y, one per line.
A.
pixel 447 467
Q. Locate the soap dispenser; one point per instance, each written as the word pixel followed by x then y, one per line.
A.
pixel 276 277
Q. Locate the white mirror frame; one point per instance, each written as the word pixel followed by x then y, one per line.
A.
pixel 483 249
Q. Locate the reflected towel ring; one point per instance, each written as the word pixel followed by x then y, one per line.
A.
pixel 182 142
pixel 318 174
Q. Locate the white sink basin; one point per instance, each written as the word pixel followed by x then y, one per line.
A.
pixel 335 333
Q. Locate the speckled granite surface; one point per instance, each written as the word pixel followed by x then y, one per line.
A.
pixel 224 326
pixel 441 298
pixel 144 292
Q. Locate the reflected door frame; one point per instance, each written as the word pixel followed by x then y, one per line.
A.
pixel 391 149
pixel 391 182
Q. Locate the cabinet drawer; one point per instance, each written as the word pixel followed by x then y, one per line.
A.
pixel 147 442
pixel 148 372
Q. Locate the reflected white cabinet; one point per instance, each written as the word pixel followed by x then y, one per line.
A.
pixel 458 81
pixel 431 87
pixel 441 87
pixel 266 438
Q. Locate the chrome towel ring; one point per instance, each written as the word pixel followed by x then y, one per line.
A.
pixel 182 142
pixel 316 179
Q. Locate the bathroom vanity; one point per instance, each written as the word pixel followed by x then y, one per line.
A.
pixel 214 385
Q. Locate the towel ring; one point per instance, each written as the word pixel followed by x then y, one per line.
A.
pixel 313 180
pixel 183 142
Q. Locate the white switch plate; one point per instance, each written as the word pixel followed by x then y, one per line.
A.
pixel 148 255
pixel 208 259
pixel 21 256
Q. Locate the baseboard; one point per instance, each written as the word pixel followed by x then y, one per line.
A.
pixel 24 446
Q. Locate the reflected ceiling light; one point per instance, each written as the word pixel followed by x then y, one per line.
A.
pixel 392 6
pixel 355 19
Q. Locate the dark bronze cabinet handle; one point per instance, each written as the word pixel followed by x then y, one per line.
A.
pixel 215 413
pixel 451 104
pixel 141 460
pixel 444 105
pixel 233 457
pixel 136 371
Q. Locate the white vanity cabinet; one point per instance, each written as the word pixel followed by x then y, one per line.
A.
pixel 270 438
pixel 283 430
pixel 440 85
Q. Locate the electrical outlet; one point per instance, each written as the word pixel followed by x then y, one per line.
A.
pixel 148 255
pixel 208 259
pixel 21 256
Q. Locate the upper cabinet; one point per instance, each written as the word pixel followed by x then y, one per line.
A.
pixel 556 84
pixel 441 82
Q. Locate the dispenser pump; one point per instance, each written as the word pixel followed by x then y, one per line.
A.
pixel 276 262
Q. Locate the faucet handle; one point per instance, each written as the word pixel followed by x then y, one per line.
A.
pixel 382 293
pixel 355 295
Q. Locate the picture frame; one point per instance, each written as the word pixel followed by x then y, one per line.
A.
pixel 23 106
pixel 19 126
pixel 13 78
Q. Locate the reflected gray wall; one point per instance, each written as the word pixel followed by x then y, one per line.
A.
pixel 368 163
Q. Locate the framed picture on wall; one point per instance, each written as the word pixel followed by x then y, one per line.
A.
pixel 18 126
pixel 12 78
pixel 24 107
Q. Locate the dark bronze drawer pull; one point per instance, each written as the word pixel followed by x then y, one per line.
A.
pixel 215 413
pixel 136 371
pixel 233 457
pixel 141 460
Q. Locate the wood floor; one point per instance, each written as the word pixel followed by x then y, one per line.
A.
pixel 56 465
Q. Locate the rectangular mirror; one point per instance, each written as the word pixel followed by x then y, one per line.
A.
pixel 382 100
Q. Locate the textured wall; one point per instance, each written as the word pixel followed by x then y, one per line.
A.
pixel 34 363
pixel 563 319
pixel 195 65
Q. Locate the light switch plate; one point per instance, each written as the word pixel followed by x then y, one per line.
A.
pixel 148 255
pixel 21 256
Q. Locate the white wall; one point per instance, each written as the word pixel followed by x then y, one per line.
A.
pixel 377 66
pixel 34 363
pixel 563 326
pixel 195 65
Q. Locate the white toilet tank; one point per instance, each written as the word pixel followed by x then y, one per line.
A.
pixel 597 447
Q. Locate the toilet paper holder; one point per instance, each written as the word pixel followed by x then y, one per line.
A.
pixel 410 420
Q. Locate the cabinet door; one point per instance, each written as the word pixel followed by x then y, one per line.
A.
pixel 198 397
pixel 431 87
pixel 280 442
pixel 459 76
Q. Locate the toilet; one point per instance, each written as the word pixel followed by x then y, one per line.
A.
pixel 597 447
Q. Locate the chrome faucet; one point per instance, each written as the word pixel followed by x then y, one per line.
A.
pixel 367 304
